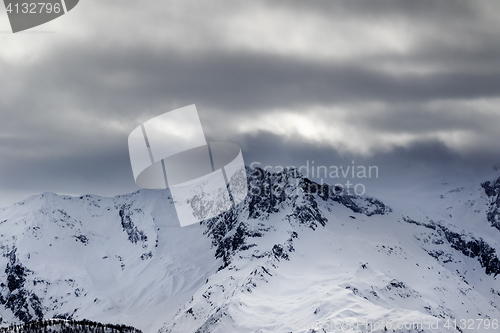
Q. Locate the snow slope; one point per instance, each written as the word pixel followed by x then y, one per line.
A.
pixel 106 259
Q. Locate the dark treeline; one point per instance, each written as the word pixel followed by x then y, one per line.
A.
pixel 68 326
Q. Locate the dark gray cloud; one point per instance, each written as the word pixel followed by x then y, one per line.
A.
pixel 392 82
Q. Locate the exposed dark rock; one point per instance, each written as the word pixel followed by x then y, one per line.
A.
pixel 280 252
pixel 24 304
pixel 146 256
pixel 134 235
pixel 492 190
pixel 474 248
pixel 82 238
pixel 467 245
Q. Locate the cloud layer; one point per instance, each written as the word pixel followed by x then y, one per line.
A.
pixel 287 80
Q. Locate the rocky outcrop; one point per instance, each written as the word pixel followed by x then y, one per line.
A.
pixel 492 190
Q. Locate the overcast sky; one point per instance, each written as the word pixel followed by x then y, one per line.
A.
pixel 393 83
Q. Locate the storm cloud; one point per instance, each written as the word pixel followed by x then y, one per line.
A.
pixel 395 83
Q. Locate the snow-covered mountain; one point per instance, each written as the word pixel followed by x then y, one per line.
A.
pixel 293 257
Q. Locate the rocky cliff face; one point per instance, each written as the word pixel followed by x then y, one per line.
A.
pixel 492 190
pixel 270 195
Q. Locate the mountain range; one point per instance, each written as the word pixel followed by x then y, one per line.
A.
pixel 294 256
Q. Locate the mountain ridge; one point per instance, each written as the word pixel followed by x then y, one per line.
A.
pixel 126 260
